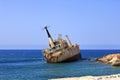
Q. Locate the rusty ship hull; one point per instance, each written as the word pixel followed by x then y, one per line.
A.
pixel 64 55
pixel 61 50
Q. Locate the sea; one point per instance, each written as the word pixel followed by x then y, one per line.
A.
pixel 31 65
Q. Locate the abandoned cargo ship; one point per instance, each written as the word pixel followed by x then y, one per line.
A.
pixel 61 50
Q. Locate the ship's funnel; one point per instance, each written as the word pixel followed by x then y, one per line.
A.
pixel 51 42
pixel 68 41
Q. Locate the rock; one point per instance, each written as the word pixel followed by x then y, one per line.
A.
pixel 113 59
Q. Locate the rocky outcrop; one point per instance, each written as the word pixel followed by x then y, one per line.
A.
pixel 113 59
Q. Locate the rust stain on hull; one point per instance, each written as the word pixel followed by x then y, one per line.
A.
pixel 73 58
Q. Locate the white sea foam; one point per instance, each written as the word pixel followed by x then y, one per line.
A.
pixel 108 77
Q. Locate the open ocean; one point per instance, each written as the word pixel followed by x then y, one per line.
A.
pixel 30 65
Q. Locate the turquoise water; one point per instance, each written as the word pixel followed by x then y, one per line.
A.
pixel 30 65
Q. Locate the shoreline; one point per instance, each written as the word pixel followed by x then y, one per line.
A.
pixel 106 77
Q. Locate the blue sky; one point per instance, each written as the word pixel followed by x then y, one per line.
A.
pixel 94 24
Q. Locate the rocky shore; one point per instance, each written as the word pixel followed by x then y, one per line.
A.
pixel 108 77
pixel 113 59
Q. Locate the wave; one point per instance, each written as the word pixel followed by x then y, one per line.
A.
pixel 20 60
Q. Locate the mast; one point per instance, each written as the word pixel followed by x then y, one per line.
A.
pixel 68 40
pixel 51 42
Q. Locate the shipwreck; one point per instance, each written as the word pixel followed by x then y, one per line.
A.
pixel 61 50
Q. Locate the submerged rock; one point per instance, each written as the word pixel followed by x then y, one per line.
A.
pixel 113 59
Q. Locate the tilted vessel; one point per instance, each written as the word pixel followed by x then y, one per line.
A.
pixel 61 50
